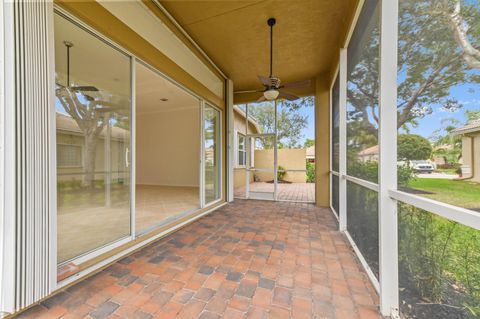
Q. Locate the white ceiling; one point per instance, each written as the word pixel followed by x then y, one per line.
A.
pixel 151 88
pixel 92 61
pixel 96 63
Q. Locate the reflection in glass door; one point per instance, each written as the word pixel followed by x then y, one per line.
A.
pixel 93 117
pixel 211 149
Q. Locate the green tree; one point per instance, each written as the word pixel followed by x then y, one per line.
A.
pixel 290 123
pixel 438 49
pixel 412 147
pixel 472 116
pixel 309 142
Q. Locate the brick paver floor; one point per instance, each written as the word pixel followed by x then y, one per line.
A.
pixel 300 192
pixel 249 259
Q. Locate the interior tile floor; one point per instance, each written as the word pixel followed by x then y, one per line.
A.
pixel 92 223
pixel 300 192
pixel 248 259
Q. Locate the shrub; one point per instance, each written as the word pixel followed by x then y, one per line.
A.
pixel 281 173
pixel 310 172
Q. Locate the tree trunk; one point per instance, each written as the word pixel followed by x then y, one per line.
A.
pixel 90 154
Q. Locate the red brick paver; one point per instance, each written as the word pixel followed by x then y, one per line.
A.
pixel 249 259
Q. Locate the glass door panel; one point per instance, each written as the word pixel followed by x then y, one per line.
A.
pixel 211 128
pixel 167 152
pixel 261 166
pixel 93 116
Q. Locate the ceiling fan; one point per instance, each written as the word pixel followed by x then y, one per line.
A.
pixel 273 88
pixel 69 45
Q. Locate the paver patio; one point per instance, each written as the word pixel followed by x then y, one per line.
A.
pixel 248 259
pixel 300 192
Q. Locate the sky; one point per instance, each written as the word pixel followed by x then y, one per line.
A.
pixel 467 94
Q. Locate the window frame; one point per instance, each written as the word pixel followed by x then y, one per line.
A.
pixel 244 150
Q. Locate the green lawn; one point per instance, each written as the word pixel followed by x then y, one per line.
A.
pixel 460 193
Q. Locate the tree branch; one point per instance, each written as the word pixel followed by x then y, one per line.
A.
pixel 471 55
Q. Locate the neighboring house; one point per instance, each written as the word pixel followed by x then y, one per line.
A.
pixel 241 129
pixel 71 153
pixel 369 154
pixel 470 149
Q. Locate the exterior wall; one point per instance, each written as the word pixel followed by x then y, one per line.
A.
pixel 239 124
pixel 476 158
pixel 466 153
pixel 287 158
pixel 168 148
pixel 239 177
pixel 471 154
pixel 322 142
pixel 75 173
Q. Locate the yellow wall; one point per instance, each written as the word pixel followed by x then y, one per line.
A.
pixel 239 124
pixel 117 153
pixel 239 177
pixel 471 154
pixel 287 158
pixel 322 141
pixel 168 148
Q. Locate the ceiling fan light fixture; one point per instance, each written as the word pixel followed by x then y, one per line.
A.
pixel 271 94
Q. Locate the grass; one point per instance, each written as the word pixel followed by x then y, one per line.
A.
pixel 460 193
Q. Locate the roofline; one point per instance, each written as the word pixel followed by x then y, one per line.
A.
pixel 251 120
pixel 461 131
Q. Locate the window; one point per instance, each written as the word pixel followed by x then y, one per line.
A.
pixel 69 155
pixel 242 151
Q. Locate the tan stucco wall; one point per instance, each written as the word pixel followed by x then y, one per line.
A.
pixel 117 156
pixel 287 158
pixel 471 154
pixel 239 177
pixel 168 148
pixel 322 141
pixel 239 124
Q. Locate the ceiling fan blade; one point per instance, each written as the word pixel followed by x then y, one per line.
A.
pixel 265 81
pixel 297 84
pixel 261 99
pixel 247 91
pixel 287 96
pixel 85 88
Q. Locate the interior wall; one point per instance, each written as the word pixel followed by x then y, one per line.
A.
pixel 168 148
pixel 322 141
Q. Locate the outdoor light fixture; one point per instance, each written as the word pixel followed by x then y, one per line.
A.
pixel 271 94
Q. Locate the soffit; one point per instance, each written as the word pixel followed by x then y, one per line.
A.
pixel 234 34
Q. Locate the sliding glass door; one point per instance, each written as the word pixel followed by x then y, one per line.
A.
pixel 108 192
pixel 211 153
pixel 93 116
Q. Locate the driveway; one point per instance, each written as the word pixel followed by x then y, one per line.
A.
pixel 437 175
